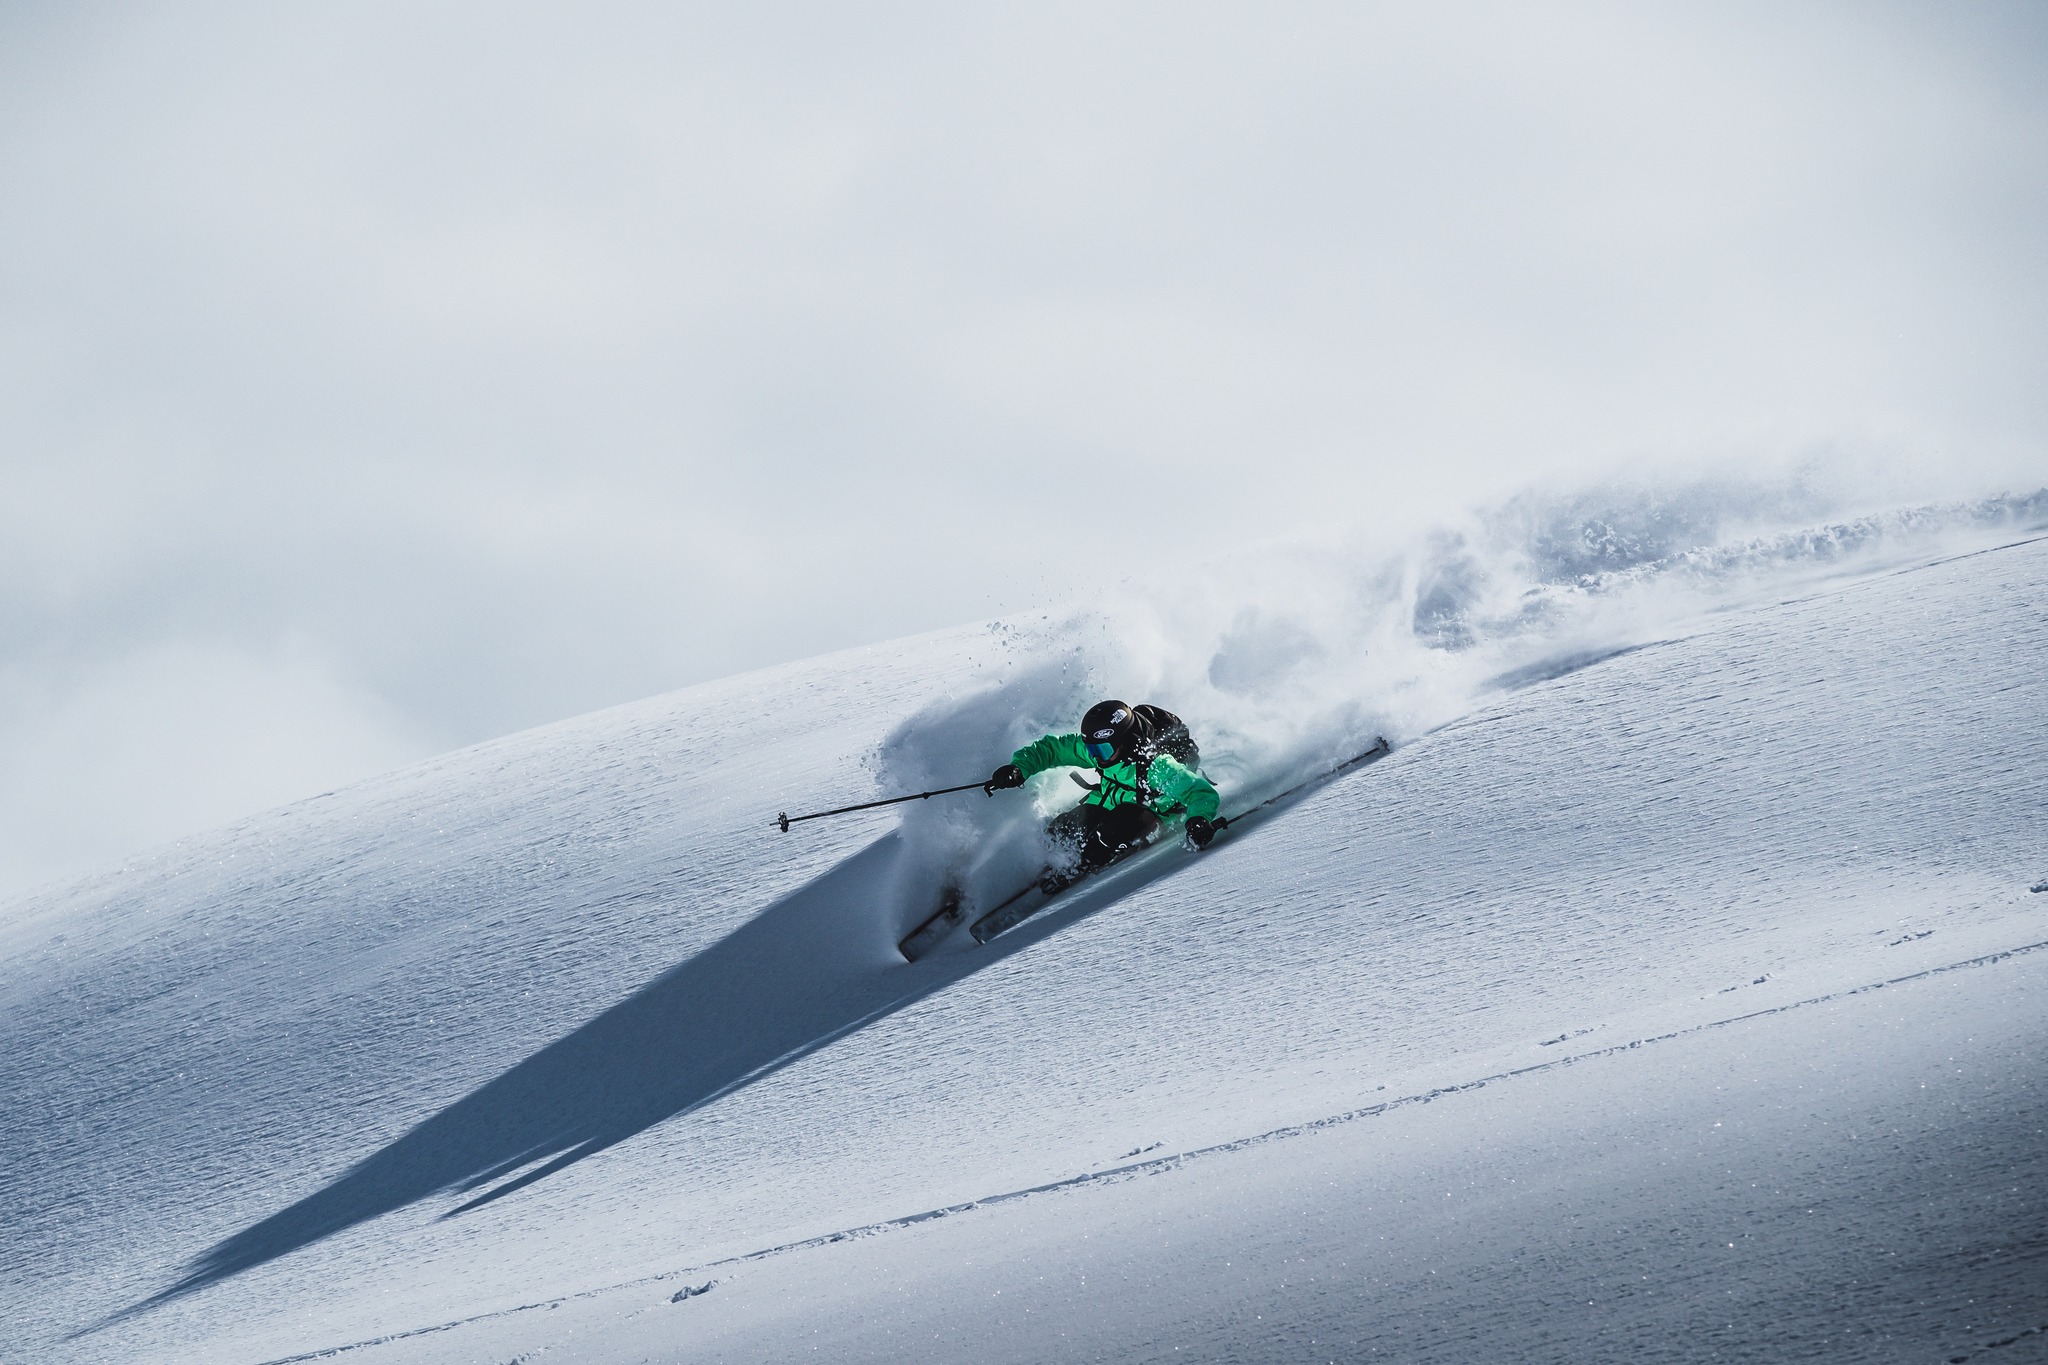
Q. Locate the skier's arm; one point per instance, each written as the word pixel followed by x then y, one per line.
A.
pixel 1054 751
pixel 1179 785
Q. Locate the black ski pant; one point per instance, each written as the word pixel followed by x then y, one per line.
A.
pixel 1099 837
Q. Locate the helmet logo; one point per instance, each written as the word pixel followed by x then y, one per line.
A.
pixel 1113 726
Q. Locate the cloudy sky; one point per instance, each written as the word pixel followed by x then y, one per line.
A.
pixel 375 379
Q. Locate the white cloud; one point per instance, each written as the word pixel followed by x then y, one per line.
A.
pixel 176 739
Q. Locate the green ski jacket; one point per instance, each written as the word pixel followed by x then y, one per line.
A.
pixel 1175 788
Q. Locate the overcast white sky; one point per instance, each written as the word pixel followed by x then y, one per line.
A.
pixel 378 378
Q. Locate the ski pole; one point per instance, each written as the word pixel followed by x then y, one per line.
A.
pixel 786 820
pixel 1380 749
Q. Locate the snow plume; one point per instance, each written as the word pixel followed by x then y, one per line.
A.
pixel 1285 658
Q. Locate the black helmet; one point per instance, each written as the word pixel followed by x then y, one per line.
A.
pixel 1113 731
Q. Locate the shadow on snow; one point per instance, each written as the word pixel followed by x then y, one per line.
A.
pixel 769 994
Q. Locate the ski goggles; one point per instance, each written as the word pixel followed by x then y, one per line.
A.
pixel 1101 750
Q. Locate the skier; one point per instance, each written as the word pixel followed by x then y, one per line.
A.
pixel 1146 758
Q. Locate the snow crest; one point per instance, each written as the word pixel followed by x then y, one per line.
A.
pixel 1288 658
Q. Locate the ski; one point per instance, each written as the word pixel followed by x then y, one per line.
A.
pixel 933 931
pixel 1016 909
pixel 926 936
pixel 1014 912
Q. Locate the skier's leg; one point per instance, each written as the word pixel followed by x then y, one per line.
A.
pixel 1109 833
pixel 1066 834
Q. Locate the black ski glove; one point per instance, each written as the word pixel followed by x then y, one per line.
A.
pixel 1200 831
pixel 1003 778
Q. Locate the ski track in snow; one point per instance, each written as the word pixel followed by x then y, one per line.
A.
pixel 364 1063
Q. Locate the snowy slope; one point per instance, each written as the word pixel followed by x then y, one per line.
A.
pixel 575 986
